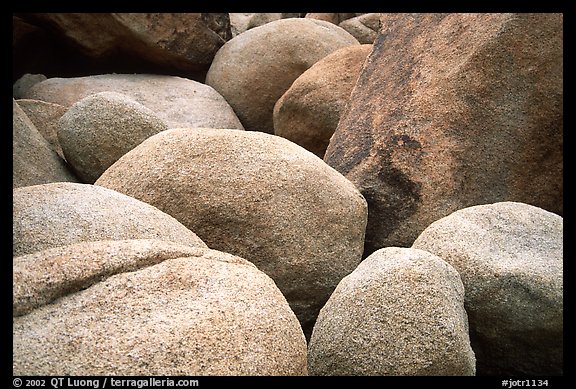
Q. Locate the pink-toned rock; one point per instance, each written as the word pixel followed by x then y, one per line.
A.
pixel 150 307
pixel 454 110
pixel 364 27
pixel 253 70
pixel 308 113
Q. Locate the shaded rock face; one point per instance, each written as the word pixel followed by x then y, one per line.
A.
pixel 184 43
pixel 58 214
pixel 34 160
pixel 510 258
pixel 309 111
pixel 150 307
pixel 255 68
pixel 452 111
pixel 400 312
pixel 45 117
pixel 101 128
pixel 177 101
pixel 257 196
pixel 364 27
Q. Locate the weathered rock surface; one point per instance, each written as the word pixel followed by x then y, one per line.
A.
pixel 257 196
pixel 364 27
pixel 254 69
pixel 181 42
pixel 178 101
pixel 45 117
pixel 33 159
pixel 101 128
pixel 452 111
pixel 510 258
pixel 25 82
pixel 149 307
pixel 309 111
pixel 59 214
pixel 400 312
pixel 334 18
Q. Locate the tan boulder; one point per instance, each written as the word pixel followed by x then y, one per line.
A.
pixel 450 111
pixel 253 70
pixel 254 195
pixel 309 111
pixel 400 312
pixel 510 258
pixel 150 308
pixel 33 159
pixel 59 214
pixel 178 101
pixel 101 128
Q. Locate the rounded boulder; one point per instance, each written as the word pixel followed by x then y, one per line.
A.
pixel 59 214
pixel 101 128
pixel 400 312
pixel 257 196
pixel 150 307
pixel 509 256
pixel 252 70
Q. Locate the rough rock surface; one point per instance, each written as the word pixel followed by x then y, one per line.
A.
pixel 24 83
pixel 400 312
pixel 59 214
pixel 334 18
pixel 33 159
pixel 101 128
pixel 178 101
pixel 45 117
pixel 308 112
pixel 510 258
pixel 152 308
pixel 254 69
pixel 452 111
pixel 182 42
pixel 257 196
pixel 364 27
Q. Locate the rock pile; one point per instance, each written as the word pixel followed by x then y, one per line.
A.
pixel 215 181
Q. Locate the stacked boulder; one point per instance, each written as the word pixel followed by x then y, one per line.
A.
pixel 215 180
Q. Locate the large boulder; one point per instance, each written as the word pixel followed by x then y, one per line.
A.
pixel 452 111
pixel 254 69
pixel 149 308
pixel 309 111
pixel 59 214
pixel 24 83
pixel 34 161
pixel 257 196
pixel 45 117
pixel 101 128
pixel 178 101
pixel 400 312
pixel 510 258
pixel 168 42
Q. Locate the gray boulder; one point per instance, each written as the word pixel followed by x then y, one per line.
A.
pixel 101 128
pixel 510 258
pixel 400 312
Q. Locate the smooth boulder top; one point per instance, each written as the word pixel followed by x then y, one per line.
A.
pixel 255 195
pixel 196 311
pixel 58 214
pixel 178 101
pixel 400 312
